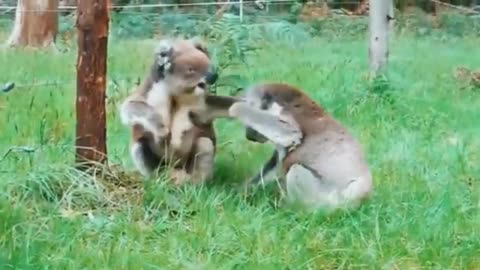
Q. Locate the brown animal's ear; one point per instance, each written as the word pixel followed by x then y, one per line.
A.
pixel 163 54
pixel 200 45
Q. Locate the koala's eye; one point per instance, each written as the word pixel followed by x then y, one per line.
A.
pixel 191 70
pixel 163 54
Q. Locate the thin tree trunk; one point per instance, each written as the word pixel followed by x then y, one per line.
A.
pixel 92 27
pixel 391 20
pixel 221 9
pixel 36 23
pixel 379 24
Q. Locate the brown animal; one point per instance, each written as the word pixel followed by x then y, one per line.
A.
pixel 323 166
pixel 158 113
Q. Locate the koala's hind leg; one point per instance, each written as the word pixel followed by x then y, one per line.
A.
pixel 357 190
pixel 305 187
pixel 203 160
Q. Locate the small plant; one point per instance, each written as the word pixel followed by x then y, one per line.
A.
pixel 295 10
pixel 381 86
pixel 229 43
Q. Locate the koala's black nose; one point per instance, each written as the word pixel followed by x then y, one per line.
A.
pixel 202 85
pixel 211 78
pixel 249 136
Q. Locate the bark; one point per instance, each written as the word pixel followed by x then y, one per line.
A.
pixel 92 28
pixel 66 3
pixel 391 21
pixel 221 9
pixel 36 23
pixel 379 39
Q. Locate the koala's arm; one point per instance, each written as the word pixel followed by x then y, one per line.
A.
pixel 214 107
pixel 281 129
pixel 140 113
pixel 132 107
pixel 135 111
pixel 267 171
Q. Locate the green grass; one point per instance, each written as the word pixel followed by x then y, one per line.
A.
pixel 421 139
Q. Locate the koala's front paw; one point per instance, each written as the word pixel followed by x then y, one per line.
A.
pixel 238 109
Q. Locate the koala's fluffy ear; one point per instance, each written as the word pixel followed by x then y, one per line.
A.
pixel 163 53
pixel 164 48
pixel 200 44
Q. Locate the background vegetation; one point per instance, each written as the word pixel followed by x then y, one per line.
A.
pixel 419 129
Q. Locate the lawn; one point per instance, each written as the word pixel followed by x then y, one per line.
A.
pixel 421 138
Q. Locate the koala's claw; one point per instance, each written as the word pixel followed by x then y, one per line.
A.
pixel 237 108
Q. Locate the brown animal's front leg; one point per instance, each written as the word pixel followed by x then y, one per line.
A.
pixel 215 107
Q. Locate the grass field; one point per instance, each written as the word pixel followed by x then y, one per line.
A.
pixel 422 142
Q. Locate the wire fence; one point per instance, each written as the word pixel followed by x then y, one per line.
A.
pixel 156 18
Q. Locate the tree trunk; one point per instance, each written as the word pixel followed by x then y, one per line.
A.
pixel 379 21
pixel 391 20
pixel 36 23
pixel 92 28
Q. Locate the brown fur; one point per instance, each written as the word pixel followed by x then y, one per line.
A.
pixel 303 109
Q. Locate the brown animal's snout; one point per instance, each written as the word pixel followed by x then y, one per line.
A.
pixel 254 136
pixel 211 76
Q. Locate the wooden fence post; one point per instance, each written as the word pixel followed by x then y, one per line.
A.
pixel 91 131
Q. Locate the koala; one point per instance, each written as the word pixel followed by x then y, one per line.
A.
pixel 157 112
pixel 322 165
